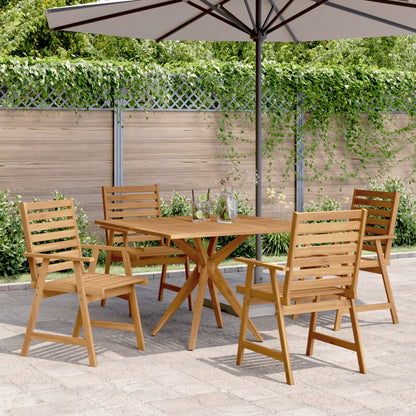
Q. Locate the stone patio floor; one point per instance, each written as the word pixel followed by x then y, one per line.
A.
pixel 167 379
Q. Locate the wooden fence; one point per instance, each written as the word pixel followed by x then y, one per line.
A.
pixel 73 153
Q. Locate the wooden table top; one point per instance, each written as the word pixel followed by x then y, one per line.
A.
pixel 177 228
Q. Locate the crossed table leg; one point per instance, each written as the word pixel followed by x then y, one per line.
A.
pixel 206 273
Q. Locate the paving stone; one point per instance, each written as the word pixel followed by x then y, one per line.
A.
pixel 167 379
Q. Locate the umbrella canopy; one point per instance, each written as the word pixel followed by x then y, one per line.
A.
pixel 240 20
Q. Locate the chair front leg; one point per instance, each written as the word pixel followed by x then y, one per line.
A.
pixel 84 314
pixel 244 314
pixel 35 307
pixel 357 337
pixel 134 310
pixel 284 346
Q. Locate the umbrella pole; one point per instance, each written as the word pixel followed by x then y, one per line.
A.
pixel 259 41
pixel 258 140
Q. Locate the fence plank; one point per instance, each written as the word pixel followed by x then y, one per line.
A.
pixel 44 151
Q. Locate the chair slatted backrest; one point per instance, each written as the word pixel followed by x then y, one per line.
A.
pixel 130 202
pixel 50 227
pixel 324 252
pixel 382 210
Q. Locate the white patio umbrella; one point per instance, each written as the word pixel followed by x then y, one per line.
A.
pixel 240 20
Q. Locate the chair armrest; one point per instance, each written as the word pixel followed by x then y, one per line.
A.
pixel 58 256
pixel 108 248
pixel 280 267
pixel 379 237
pixel 125 252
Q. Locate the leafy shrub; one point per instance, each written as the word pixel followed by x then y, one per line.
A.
pixel 326 204
pixel 275 244
pixel 177 206
pixel 406 216
pixel 12 240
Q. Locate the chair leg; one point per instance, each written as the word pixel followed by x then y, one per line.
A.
pixel 78 324
pixel 85 317
pixel 338 320
pixel 107 271
pixel 162 282
pixel 284 344
pixel 134 309
pixel 187 274
pixel 163 285
pixel 312 328
pixel 389 293
pixel 389 305
pixel 243 328
pixel 357 338
pixel 31 323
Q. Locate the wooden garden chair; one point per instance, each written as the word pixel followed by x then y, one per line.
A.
pixel 53 245
pixel 141 202
pixel 382 210
pixel 321 272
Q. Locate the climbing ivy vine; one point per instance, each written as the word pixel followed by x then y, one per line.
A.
pixel 349 111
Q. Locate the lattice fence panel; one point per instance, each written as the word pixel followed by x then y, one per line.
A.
pixel 179 93
pixel 49 99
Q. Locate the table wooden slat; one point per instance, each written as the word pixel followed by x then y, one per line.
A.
pixel 177 228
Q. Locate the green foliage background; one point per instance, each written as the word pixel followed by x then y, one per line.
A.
pixel 12 240
pixel 24 33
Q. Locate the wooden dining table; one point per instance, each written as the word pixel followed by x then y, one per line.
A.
pixel 188 236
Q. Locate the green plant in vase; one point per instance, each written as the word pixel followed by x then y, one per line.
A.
pixel 201 207
pixel 226 207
